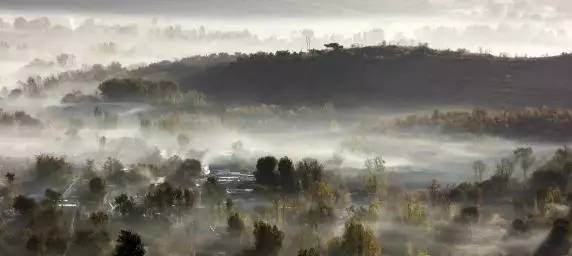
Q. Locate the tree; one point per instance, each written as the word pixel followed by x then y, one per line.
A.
pixel 129 244
pixel 10 177
pixel 287 173
pixel 24 205
pixel 359 240
pixel 558 240
pixel 51 169
pixel 265 168
pixel 52 196
pixel 469 215
pixel 525 156
pixel 479 167
pixel 334 46
pixel 236 225
pixel 99 219
pixel 112 165
pixel 308 252
pixel 268 239
pixel 124 204
pixel 97 186
pixel 310 172
pixel 186 172
pixel 35 244
pixel 375 164
pixel 505 168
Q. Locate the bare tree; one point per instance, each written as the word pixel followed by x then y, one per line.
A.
pixel 526 158
pixel 505 168
pixel 479 167
pixel 10 177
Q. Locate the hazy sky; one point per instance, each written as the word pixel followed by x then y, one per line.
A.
pixel 531 27
pixel 529 10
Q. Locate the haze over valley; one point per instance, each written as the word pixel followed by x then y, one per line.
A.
pixel 336 128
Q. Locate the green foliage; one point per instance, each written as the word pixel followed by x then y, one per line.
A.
pixel 18 118
pixel 525 157
pixel 52 196
pixel 468 192
pixel 52 170
pixel 163 197
pixel 265 171
pixel 310 172
pixel 99 219
pixel 469 215
pixel 308 252
pixel 357 240
pixel 97 186
pixel 91 243
pixel 119 175
pixel 527 123
pixel 161 92
pixel 10 177
pixel 236 225
pixel 375 164
pixel 24 205
pixel 288 179
pixel 124 204
pixel 129 244
pixel 412 211
pixel 268 239
pixel 186 173
pixel 320 213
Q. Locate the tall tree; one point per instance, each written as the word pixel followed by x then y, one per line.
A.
pixel 97 186
pixel 479 167
pixel 10 177
pixel 310 172
pixel 525 156
pixel 287 173
pixel 236 225
pixel 359 240
pixel 268 239
pixel 265 171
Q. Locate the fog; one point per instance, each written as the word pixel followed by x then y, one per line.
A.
pixel 108 147
pixel 31 44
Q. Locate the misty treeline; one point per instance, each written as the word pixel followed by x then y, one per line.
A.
pixel 349 77
pixel 376 76
pixel 540 123
pixel 18 118
pixel 172 206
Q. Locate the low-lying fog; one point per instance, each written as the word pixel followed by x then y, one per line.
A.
pixel 448 156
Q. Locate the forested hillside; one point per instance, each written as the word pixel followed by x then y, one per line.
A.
pixel 374 76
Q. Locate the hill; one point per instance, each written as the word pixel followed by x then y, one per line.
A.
pixel 386 75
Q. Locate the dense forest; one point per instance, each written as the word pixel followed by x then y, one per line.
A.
pixel 385 75
pixel 374 76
